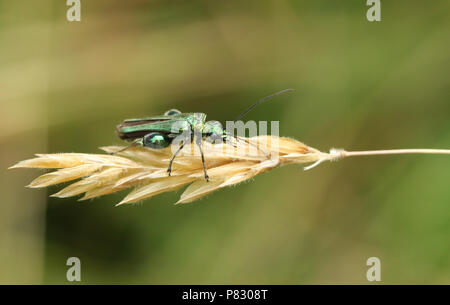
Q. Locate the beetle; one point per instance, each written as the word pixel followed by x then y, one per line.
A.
pixel 158 132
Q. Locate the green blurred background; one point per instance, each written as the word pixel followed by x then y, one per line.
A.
pixel 359 85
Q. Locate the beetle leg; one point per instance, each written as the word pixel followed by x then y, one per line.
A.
pixel 227 139
pixel 199 144
pixel 252 144
pixel 133 144
pixel 169 169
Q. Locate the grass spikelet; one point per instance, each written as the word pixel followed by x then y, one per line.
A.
pixel 145 169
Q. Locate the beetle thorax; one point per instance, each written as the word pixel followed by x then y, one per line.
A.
pixel 197 121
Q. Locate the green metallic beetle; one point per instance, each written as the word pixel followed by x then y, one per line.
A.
pixel 160 131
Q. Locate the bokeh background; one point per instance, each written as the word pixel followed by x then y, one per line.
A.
pixel 359 85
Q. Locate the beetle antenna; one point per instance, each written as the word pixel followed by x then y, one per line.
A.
pixel 133 144
pixel 260 101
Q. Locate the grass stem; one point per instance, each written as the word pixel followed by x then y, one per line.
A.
pixel 393 152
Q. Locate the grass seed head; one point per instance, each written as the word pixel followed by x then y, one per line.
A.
pixel 145 169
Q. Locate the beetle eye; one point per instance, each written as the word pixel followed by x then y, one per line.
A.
pixel 172 112
pixel 156 141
